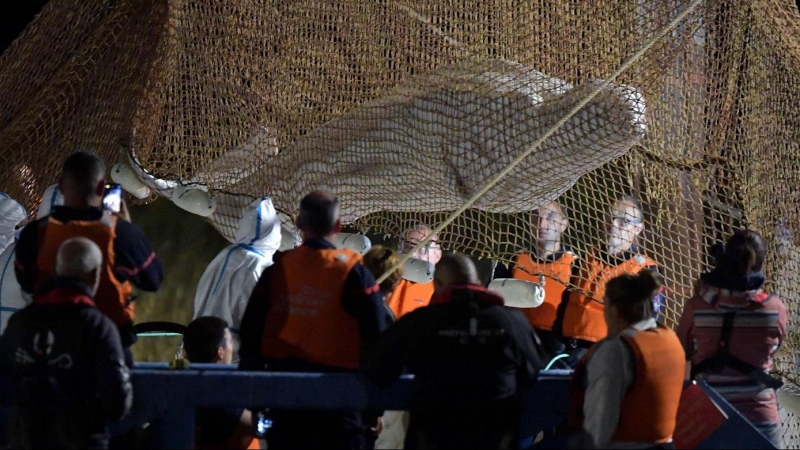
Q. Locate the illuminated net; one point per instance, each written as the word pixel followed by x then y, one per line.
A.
pixel 406 110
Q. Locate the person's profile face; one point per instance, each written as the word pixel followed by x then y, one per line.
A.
pixel 227 348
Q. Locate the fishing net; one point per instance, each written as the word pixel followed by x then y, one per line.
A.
pixel 463 115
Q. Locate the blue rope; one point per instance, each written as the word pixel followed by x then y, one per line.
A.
pixel 561 356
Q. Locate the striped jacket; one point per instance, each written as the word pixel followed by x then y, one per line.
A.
pixel 758 329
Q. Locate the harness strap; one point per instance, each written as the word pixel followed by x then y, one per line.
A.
pixel 723 358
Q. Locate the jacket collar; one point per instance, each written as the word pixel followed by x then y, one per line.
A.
pixel 718 279
pixel 66 214
pixel 64 291
pixel 319 244
pixel 473 292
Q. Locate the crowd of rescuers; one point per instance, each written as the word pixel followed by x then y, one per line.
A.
pixel 472 357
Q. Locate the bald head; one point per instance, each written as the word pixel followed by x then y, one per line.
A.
pixel 455 269
pixel 81 259
pixel 319 215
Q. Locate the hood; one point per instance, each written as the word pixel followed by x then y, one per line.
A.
pixel 259 227
pixel 11 214
pixel 714 293
pixel 51 198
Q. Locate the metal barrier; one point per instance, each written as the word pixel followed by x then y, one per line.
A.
pixel 167 399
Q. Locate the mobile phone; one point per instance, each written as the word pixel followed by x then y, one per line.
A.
pixel 112 200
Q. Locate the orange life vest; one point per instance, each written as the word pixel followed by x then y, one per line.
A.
pixel 649 409
pixel 408 296
pixel 306 319
pixel 556 279
pixel 583 318
pixel 113 297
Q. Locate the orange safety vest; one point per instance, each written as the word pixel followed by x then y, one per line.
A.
pixel 408 296
pixel 583 318
pixel 557 274
pixel 649 409
pixel 306 319
pixel 113 297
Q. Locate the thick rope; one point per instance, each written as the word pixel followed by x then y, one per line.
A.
pixel 550 131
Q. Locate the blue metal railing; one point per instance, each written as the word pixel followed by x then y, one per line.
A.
pixel 167 399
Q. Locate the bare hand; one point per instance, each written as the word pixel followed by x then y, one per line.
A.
pixel 123 213
pixel 378 426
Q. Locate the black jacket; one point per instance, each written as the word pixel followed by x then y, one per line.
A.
pixel 466 351
pixel 65 359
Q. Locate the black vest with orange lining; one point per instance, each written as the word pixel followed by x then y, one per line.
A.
pixel 306 319
pixel 113 297
pixel 556 279
pixel 583 317
pixel 648 410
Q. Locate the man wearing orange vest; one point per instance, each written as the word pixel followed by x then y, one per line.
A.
pixel 127 258
pixel 408 295
pixel 549 262
pixel 313 310
pixel 626 390
pixel 583 322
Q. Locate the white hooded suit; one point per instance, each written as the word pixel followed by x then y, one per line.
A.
pixel 12 298
pixel 226 285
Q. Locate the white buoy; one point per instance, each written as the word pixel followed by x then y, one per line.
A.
pixel 789 397
pixel 356 242
pixel 418 271
pixel 518 293
pixel 123 175
pixel 194 200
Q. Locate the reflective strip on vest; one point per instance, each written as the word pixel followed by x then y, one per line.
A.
pixel 113 297
pixel 409 296
pixel 306 319
pixel 649 409
pixel 557 274
pixel 583 318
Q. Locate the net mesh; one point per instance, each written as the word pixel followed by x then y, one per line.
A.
pixel 407 110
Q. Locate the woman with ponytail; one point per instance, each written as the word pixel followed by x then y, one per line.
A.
pixel 731 328
pixel 626 390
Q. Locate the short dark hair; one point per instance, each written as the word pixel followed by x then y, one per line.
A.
pixel 744 254
pixel 84 170
pixel 203 337
pixel 632 295
pixel 319 212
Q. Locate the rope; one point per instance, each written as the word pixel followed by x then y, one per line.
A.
pixel 550 131
pixel 550 364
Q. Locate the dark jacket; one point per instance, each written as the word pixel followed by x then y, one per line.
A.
pixel 466 350
pixel 134 261
pixel 66 362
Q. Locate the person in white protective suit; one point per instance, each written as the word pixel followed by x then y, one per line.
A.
pixel 12 299
pixel 226 285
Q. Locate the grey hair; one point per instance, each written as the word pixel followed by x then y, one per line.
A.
pixel 77 257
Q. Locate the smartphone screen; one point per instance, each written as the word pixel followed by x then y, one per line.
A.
pixel 112 200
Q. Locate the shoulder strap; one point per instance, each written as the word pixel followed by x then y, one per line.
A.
pixel 723 358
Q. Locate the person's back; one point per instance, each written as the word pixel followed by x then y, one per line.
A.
pixel 66 361
pixel 470 357
pixel 228 281
pixel 128 260
pixel 731 329
pixel 313 310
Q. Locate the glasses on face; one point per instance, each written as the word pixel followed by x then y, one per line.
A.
pixel 424 250
pixel 623 220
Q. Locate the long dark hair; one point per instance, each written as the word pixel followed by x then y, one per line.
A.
pixel 744 254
